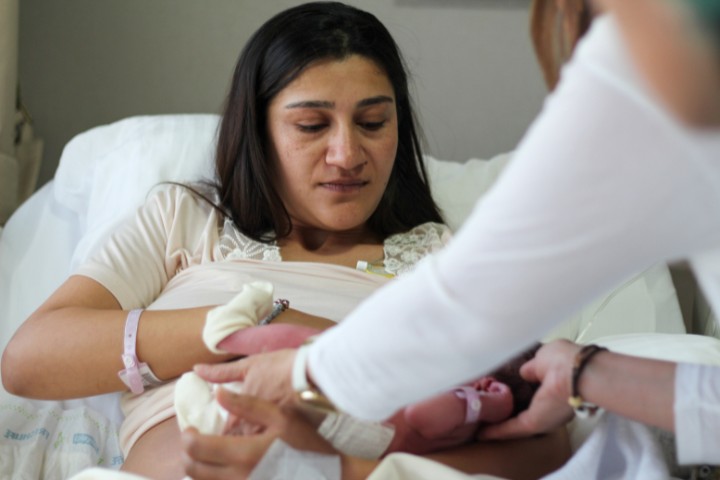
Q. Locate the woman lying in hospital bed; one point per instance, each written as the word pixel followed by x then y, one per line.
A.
pixel 318 167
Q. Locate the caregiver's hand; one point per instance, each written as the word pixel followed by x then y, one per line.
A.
pixel 229 456
pixel 219 457
pixel 265 375
pixel 549 409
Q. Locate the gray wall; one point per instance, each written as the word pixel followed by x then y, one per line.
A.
pixel 84 63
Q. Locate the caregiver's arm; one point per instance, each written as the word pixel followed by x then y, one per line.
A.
pixel 681 398
pixel 604 184
pixel 637 388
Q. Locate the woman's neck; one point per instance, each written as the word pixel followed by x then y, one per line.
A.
pixel 316 240
pixel 341 248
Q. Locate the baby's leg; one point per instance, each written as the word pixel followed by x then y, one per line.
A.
pixel 437 416
pixel 157 453
pixel 486 400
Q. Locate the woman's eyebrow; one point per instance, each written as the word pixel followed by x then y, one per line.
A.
pixel 366 102
pixel 311 104
pixel 375 100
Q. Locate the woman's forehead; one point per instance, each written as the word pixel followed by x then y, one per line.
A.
pixel 330 80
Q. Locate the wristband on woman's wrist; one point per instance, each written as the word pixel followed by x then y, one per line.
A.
pixel 582 408
pixel 136 375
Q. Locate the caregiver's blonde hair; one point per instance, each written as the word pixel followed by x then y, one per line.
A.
pixel 555 28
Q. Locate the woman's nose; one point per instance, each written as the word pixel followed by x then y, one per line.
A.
pixel 344 150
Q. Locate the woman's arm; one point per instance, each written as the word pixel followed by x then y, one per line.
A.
pixel 71 345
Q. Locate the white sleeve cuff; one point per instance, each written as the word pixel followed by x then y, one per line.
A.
pixel 697 414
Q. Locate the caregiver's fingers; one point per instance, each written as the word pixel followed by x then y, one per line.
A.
pixel 266 375
pixel 529 372
pixel 542 417
pixel 278 422
pixel 221 372
pixel 251 409
pixel 516 427
pixel 216 456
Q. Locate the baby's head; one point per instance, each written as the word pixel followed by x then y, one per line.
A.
pixel 509 374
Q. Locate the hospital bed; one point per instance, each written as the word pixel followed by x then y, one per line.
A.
pixel 104 175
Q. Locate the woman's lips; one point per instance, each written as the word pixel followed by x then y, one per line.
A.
pixel 343 186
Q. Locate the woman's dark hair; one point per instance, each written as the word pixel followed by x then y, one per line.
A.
pixel 274 56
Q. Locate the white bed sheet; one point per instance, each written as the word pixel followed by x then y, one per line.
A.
pixel 104 175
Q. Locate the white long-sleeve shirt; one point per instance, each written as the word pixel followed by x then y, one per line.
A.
pixel 604 184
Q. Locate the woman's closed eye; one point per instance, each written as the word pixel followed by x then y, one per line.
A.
pixel 317 127
pixel 373 126
pixel 311 128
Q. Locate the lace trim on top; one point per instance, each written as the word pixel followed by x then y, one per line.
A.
pixel 402 251
pixel 234 245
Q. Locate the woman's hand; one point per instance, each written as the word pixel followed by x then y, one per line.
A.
pixel 231 457
pixel 266 375
pixel 549 409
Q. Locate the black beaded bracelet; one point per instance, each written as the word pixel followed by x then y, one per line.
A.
pixel 582 409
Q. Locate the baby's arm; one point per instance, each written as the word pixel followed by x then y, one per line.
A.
pixel 252 340
pixel 236 327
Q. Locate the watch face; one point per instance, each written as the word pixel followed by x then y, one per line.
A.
pixel 316 400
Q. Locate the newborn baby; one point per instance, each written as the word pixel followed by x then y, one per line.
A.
pixel 449 419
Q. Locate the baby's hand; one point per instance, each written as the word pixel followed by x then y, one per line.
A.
pixel 246 309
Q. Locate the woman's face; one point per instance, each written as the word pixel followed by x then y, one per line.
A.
pixel 333 138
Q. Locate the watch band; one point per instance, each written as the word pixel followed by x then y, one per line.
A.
pixel 299 370
pixel 307 394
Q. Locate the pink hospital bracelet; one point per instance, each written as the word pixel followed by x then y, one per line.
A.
pixel 136 375
pixel 473 404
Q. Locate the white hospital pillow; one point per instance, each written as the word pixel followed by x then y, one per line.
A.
pixel 107 172
pixel 457 186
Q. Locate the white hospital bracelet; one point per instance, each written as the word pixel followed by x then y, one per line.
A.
pixel 136 375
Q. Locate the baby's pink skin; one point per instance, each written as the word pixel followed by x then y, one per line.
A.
pixel 424 427
pixel 439 422
pixel 266 338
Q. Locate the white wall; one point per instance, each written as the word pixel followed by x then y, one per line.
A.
pixel 87 62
